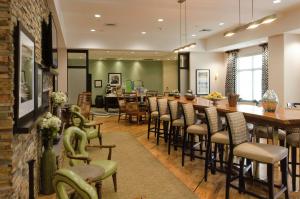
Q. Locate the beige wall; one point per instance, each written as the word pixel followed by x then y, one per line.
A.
pixel 170 75
pixel 276 66
pixel 213 61
pixel 291 68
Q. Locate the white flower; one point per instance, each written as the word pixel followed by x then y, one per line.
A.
pixel 58 98
pixel 50 122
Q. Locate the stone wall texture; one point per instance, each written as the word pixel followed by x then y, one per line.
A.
pixel 16 150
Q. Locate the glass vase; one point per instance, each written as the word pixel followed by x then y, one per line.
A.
pixel 270 101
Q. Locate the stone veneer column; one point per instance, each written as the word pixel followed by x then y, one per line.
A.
pixel 16 150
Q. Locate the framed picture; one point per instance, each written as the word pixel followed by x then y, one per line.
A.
pixel 38 89
pixel 98 83
pixel 202 81
pixel 183 60
pixel 24 75
pixel 115 79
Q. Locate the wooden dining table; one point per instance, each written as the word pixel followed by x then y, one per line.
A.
pixel 282 118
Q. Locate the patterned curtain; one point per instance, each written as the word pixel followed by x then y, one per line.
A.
pixel 230 84
pixel 265 68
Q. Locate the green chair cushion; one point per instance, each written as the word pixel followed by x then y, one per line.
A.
pixel 109 166
pixel 91 133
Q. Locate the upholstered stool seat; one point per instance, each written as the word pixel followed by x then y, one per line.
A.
pixel 293 139
pixel 220 137
pixel 165 118
pixel 178 122
pixel 154 114
pixel 265 153
pixel 197 129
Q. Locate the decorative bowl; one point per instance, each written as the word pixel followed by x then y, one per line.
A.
pixel 189 96
pixel 270 101
pixel 214 100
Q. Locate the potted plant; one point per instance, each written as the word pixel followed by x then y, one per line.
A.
pixel 233 99
pixel 49 126
pixel 58 100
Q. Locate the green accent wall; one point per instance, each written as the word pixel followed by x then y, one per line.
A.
pixel 150 72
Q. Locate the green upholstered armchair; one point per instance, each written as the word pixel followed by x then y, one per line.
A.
pixel 81 156
pixel 91 128
pixel 81 188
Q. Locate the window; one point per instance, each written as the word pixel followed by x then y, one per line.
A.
pixel 249 77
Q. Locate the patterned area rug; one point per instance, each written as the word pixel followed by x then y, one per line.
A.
pixel 101 112
pixel 140 175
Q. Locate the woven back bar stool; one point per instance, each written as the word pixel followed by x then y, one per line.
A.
pixel 192 128
pixel 164 118
pixel 216 136
pixel 241 147
pixel 152 115
pixel 176 124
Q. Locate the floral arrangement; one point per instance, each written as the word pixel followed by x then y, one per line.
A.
pixel 50 125
pixel 215 95
pixel 58 98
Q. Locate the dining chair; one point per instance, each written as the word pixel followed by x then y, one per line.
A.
pixel 132 109
pixel 122 108
pixel 241 147
pixel 192 128
pixel 64 179
pixel 152 114
pixel 78 155
pixel 164 118
pixel 215 135
pixel 176 124
pixel 90 127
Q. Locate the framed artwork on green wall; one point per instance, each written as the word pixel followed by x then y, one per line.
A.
pixel 115 79
pixel 98 83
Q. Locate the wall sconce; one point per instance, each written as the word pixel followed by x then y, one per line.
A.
pixel 216 76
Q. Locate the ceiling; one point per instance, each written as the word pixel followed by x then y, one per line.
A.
pixel 135 16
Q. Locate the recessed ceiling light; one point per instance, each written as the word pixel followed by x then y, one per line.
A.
pixel 93 30
pixel 221 23
pixel 132 52
pixel 97 15
pixel 194 35
pixel 160 20
pixel 276 1
pixel 143 33
pixel 107 51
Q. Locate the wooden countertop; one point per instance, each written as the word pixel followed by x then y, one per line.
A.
pixel 282 117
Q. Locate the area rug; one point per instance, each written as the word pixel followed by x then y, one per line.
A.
pixel 140 175
pixel 101 112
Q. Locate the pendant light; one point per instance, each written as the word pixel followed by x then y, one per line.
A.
pixel 253 24
pixel 187 46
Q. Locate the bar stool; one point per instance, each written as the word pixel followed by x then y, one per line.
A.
pixel 263 153
pixel 191 128
pixel 216 135
pixel 164 117
pixel 152 115
pixel 176 124
pixel 293 142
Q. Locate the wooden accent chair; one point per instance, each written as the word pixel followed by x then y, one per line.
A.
pixel 122 108
pixel 133 110
pixel 84 101
pixel 64 178
pixel 241 147
pixel 192 128
pixel 79 156
pixel 90 127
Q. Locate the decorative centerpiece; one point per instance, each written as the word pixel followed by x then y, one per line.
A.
pixel 49 126
pixel 189 95
pixel 270 101
pixel 58 100
pixel 215 97
pixel 233 99
pixel 176 93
